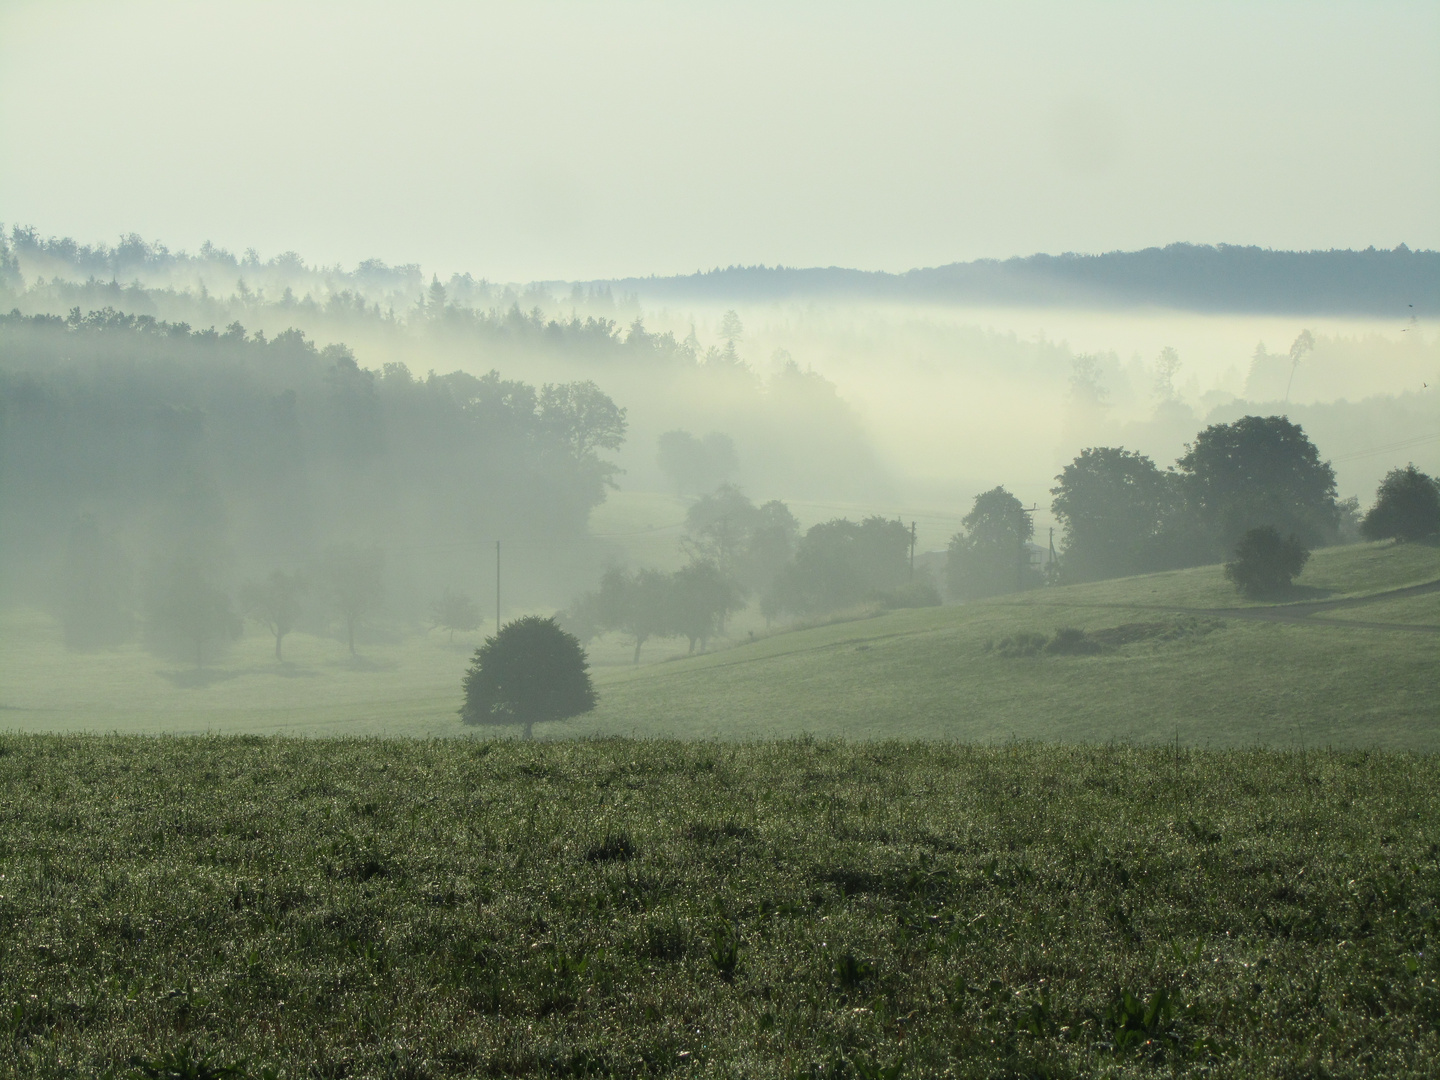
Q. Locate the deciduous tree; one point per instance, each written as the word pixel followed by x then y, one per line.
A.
pixel 701 597
pixel 528 672
pixel 840 563
pixel 989 555
pixel 1407 507
pixel 97 605
pixel 455 611
pixel 275 603
pixel 635 604
pixel 1114 506
pixel 187 614
pixel 354 584
pixel 1254 472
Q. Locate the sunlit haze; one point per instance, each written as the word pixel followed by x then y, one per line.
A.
pixel 760 539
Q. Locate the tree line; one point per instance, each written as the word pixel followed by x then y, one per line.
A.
pixel 131 447
pixel 740 551
pixel 1193 277
pixel 1255 492
pixel 1122 514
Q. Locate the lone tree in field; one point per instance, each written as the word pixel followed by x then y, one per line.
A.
pixel 529 671
pixel 187 614
pixel 1407 507
pixel 455 611
pixel 1266 563
pixel 275 603
pixel 353 580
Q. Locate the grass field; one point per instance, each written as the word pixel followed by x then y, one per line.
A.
pixel 344 908
pixel 1219 679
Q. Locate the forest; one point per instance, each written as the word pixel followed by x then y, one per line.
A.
pixel 243 455
pixel 1196 277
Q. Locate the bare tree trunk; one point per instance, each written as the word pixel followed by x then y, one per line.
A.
pixel 529 729
pixel 277 649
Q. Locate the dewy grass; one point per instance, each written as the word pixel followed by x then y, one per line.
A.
pixel 361 908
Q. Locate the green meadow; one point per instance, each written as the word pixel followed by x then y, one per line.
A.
pixel 1133 828
pixel 1184 658
pixel 419 909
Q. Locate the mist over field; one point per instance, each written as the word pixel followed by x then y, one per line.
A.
pixel 795 541
pixel 848 403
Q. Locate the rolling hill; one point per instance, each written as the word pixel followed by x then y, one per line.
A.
pixel 1171 656
pixel 1178 657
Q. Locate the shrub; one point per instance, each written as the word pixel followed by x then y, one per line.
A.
pixel 1071 641
pixel 913 594
pixel 1407 507
pixel 1025 643
pixel 1266 563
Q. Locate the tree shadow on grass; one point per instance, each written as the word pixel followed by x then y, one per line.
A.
pixel 1298 594
pixel 199 678
pixel 364 663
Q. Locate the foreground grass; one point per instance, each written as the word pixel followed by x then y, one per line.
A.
pixel 357 908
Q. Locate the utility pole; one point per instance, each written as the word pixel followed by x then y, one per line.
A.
pixel 497 586
pixel 912 551
pixel 1023 556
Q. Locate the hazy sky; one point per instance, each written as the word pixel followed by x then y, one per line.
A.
pixel 576 140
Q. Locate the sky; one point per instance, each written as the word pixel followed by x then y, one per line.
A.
pixel 572 141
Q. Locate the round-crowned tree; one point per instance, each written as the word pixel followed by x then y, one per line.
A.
pixel 530 670
pixel 1265 562
pixel 1257 471
pixel 1407 507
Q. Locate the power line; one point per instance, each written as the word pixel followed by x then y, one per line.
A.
pixel 1388 448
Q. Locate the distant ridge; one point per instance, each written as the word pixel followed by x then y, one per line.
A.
pixel 1223 278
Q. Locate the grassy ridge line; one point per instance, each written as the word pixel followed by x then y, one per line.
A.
pixel 617 908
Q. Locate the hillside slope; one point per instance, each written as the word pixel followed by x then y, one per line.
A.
pixel 1193 663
